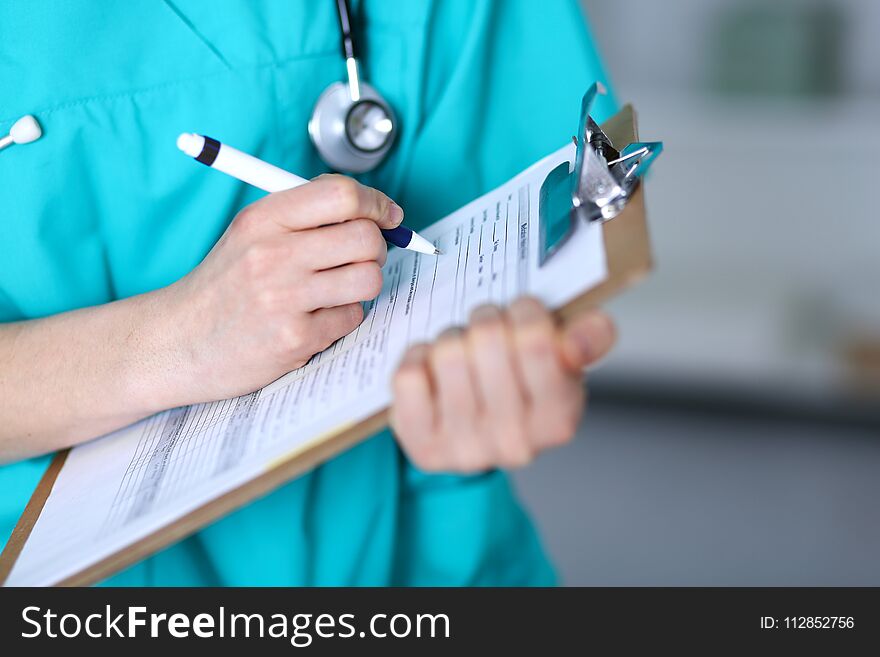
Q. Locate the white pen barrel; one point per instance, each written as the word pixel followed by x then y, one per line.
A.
pixel 254 171
pixel 269 178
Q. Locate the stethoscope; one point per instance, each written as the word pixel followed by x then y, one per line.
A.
pixel 352 126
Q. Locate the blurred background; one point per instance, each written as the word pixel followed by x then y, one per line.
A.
pixel 734 435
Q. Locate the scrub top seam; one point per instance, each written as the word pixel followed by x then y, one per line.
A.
pixel 124 95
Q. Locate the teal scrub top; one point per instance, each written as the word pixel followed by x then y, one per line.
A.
pixel 103 206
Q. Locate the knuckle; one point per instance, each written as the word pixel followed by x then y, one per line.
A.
pixel 359 230
pixel 528 307
pixel 374 241
pixel 368 237
pixel 343 192
pixel 248 218
pixel 356 314
pixel 534 304
pixel 266 299
pixel 292 341
pixel 255 261
pixel 348 322
pixel 323 338
pixel 537 343
pixel 369 276
pixel 381 204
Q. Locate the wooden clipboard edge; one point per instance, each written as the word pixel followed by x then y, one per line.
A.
pixel 628 257
pixel 28 518
pixel 279 474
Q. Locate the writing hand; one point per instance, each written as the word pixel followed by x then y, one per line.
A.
pixel 283 283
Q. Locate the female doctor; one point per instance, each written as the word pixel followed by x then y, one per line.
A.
pixel 131 281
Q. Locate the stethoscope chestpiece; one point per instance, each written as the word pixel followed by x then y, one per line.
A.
pixel 352 135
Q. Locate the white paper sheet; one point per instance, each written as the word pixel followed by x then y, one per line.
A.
pixel 121 487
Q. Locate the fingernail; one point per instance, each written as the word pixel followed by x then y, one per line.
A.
pixel 451 333
pixel 527 309
pixel 414 354
pixel 583 344
pixel 395 214
pixel 485 312
pixel 589 336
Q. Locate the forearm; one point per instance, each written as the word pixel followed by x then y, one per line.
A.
pixel 70 377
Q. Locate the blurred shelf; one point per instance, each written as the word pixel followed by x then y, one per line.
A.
pixel 726 402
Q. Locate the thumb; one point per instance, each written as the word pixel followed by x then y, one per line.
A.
pixel 586 338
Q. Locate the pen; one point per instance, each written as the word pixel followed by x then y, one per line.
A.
pixel 270 178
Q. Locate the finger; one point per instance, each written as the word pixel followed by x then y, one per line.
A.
pixel 358 240
pixel 330 324
pixel 500 388
pixel 458 403
pixel 586 339
pixel 556 395
pixel 360 281
pixel 413 412
pixel 328 199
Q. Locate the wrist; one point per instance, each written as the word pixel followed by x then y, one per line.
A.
pixel 159 368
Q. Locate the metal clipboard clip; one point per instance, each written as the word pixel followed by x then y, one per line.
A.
pixel 599 185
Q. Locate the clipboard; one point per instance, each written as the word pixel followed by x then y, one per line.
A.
pixel 628 259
